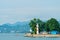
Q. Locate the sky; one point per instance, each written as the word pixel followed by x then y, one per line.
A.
pixel 12 11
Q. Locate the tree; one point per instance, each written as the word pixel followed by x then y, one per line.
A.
pixel 52 24
pixel 33 25
pixel 41 25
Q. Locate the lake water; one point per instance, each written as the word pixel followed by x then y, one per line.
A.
pixel 20 36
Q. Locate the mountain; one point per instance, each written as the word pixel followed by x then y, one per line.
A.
pixel 18 27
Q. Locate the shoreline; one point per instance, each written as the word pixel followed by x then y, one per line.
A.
pixel 41 35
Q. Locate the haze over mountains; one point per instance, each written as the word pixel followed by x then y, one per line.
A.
pixel 18 27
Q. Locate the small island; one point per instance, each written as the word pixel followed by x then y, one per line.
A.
pixel 50 28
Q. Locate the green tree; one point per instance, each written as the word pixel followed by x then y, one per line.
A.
pixel 52 24
pixel 41 25
pixel 33 25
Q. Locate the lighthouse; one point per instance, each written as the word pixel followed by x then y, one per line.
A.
pixel 37 29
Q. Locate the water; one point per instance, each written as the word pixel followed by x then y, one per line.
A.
pixel 20 36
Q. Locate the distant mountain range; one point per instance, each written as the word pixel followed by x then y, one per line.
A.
pixel 18 27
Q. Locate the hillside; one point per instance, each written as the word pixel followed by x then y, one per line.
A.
pixel 18 27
